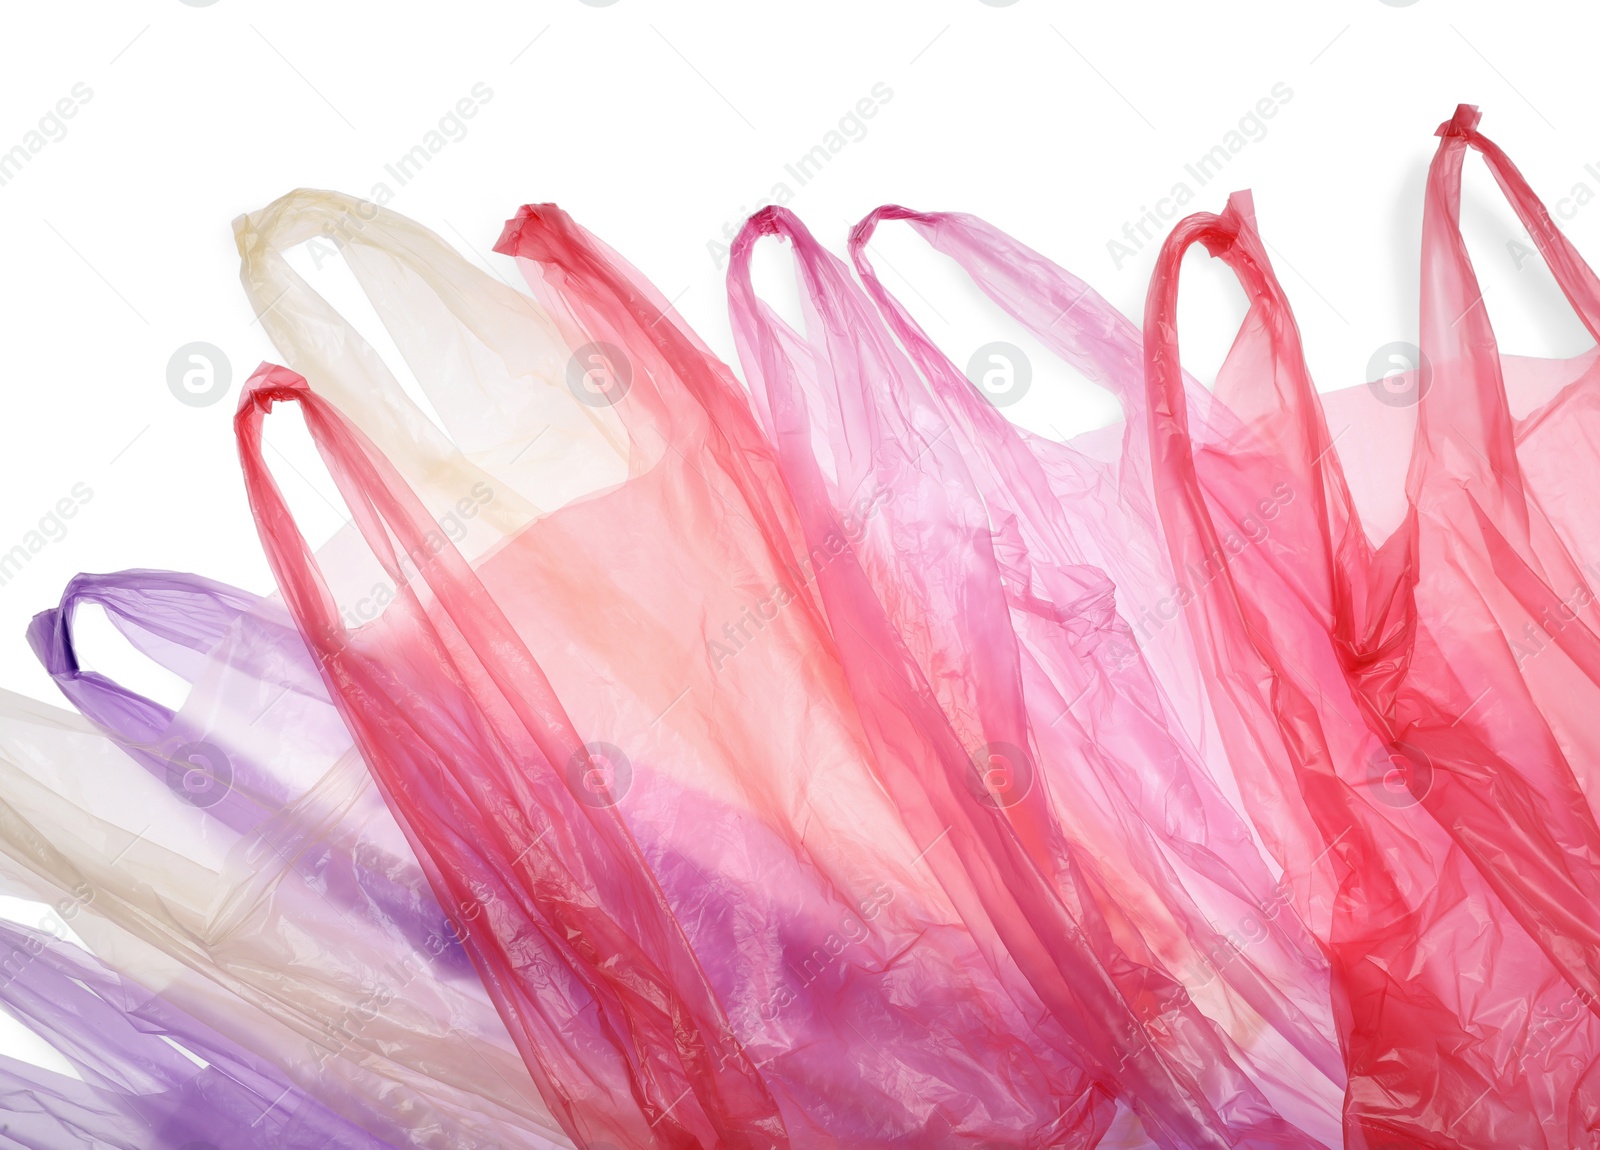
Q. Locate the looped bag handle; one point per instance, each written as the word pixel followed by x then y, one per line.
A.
pixel 1097 340
pixel 190 615
pixel 587 896
pixel 1572 273
pixel 493 363
pixel 1466 401
pixel 1291 416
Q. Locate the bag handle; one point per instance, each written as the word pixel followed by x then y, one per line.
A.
pixel 188 612
pixel 196 614
pixel 1572 273
pixel 1302 435
pixel 1096 339
pixel 321 344
pixel 634 958
pixel 1456 334
pixel 680 390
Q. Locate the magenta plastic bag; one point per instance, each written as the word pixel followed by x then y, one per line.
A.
pixel 919 613
pixel 1064 506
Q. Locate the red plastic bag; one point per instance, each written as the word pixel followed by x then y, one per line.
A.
pixel 472 750
pixel 1301 637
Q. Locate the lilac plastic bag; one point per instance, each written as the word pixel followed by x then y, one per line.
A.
pixel 151 1078
pixel 180 621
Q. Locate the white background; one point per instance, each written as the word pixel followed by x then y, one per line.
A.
pixel 658 124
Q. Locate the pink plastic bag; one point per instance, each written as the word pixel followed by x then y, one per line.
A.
pixel 1429 959
pixel 805 773
pixel 918 609
pixel 1168 821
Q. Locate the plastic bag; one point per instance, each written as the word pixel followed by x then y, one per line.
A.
pixel 250 746
pixel 816 871
pixel 471 748
pixel 1427 957
pixel 150 1078
pixel 226 932
pixel 919 612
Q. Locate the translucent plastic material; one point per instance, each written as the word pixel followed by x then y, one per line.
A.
pixel 837 765
pixel 244 748
pixel 836 896
pixel 1488 558
pixel 717 841
pixel 150 1077
pixel 920 612
pixel 1315 649
pixel 1163 831
pixel 226 930
pixel 491 363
